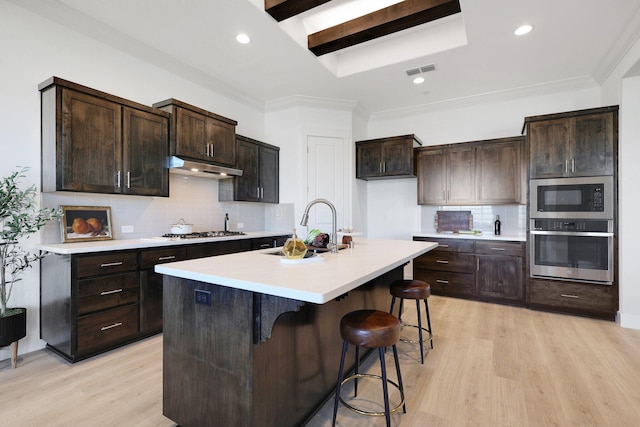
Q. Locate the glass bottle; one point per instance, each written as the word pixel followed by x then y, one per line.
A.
pixel 294 248
pixel 496 226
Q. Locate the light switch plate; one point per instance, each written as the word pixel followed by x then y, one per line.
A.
pixel 127 229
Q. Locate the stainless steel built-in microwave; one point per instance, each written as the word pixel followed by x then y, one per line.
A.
pixel 585 197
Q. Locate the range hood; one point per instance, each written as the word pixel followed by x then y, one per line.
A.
pixel 206 170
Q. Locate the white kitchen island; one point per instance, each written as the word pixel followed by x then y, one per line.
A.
pixel 252 341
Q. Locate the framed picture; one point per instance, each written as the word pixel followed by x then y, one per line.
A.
pixel 86 223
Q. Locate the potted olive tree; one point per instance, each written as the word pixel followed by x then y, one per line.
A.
pixel 20 217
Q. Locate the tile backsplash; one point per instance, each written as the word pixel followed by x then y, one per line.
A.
pixel 193 199
pixel 512 217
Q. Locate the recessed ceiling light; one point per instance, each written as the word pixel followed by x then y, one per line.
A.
pixel 523 29
pixel 243 38
pixel 418 80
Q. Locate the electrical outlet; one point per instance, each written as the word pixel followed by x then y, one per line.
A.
pixel 240 225
pixel 127 229
pixel 203 297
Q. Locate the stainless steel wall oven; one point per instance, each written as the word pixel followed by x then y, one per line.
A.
pixel 575 249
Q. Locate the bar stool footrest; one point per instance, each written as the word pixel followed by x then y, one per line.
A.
pixel 371 413
pixel 428 338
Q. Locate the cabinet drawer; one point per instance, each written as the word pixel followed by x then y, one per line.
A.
pixel 268 242
pixel 500 248
pixel 106 292
pixel 583 297
pixel 107 327
pixel 446 261
pixel 159 256
pixel 449 245
pixel 446 283
pixel 106 264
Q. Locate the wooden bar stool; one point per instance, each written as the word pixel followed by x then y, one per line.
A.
pixel 371 329
pixel 416 290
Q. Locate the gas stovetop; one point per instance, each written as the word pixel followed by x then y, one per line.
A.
pixel 203 234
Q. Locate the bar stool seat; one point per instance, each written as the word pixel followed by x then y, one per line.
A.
pixel 370 329
pixel 416 290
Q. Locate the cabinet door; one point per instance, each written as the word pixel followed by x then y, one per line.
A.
pixel 592 145
pixel 145 151
pixel 368 160
pixel 221 140
pixel 500 277
pixel 461 176
pixel 191 134
pixel 247 185
pixel 396 157
pixel 549 148
pixel 268 166
pixel 90 151
pixel 431 177
pixel 499 172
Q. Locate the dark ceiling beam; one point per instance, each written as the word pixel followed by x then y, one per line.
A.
pixel 283 9
pixel 397 17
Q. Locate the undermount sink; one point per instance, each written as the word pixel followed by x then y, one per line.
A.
pixel 310 250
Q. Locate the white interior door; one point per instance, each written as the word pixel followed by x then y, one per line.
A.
pixel 325 179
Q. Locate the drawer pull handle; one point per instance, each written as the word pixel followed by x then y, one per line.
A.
pixel 442 261
pixel 164 258
pixel 569 296
pixel 443 246
pixel 111 264
pixel 498 249
pixel 266 245
pixel 115 325
pixel 444 282
pixel 115 291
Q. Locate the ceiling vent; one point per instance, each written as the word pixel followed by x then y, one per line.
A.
pixel 421 69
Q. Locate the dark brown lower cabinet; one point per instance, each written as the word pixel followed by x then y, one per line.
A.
pixel 91 303
pixel 475 269
pixel 576 298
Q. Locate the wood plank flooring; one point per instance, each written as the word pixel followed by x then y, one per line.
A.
pixel 492 365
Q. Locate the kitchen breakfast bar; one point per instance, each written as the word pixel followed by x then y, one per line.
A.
pixel 251 340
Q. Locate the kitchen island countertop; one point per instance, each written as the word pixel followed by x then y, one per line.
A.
pixel 315 282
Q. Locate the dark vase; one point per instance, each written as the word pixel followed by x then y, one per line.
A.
pixel 13 328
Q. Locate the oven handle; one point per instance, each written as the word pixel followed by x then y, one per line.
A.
pixel 571 233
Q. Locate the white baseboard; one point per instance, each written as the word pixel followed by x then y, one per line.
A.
pixel 631 321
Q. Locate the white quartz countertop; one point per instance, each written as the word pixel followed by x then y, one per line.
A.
pixel 315 282
pixel 123 244
pixel 519 237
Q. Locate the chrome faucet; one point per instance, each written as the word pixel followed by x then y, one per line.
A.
pixel 334 235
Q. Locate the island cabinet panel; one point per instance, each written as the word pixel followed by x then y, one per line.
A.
pixel 385 158
pixel 268 242
pixel 99 143
pixel 216 373
pixel 578 143
pixel 472 173
pixel 199 134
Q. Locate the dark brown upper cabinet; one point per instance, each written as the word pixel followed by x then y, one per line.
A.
pixel 198 134
pixel 260 165
pixel 472 173
pixel 500 172
pixel 99 143
pixel 386 158
pixel 579 143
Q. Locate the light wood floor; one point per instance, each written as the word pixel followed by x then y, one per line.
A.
pixel 492 365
